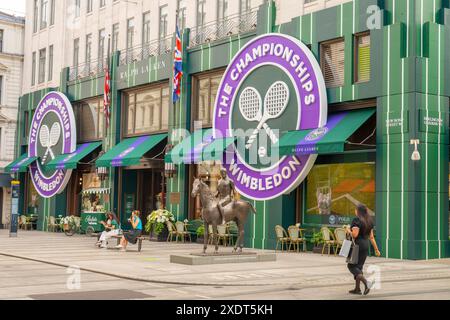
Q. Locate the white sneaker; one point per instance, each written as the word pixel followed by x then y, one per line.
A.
pixel 119 246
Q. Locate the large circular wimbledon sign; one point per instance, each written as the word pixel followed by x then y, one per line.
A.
pixel 273 85
pixel 52 133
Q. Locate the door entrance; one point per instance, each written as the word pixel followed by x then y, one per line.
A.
pixel 150 186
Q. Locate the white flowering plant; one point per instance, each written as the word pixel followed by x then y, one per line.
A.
pixel 157 221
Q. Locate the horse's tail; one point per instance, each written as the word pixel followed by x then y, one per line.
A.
pixel 252 208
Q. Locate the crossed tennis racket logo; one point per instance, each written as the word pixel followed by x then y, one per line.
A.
pixel 48 139
pixel 251 107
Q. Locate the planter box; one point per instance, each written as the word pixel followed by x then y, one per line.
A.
pixel 318 249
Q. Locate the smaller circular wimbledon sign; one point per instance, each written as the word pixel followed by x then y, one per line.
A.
pixel 52 133
pixel 273 84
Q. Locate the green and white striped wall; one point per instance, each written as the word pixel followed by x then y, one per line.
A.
pixel 410 80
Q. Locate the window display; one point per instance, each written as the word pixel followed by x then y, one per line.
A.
pixel 333 191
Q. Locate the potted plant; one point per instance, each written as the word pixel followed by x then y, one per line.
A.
pixel 317 241
pixel 157 224
pixel 200 234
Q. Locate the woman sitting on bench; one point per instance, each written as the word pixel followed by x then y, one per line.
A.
pixel 133 235
pixel 112 229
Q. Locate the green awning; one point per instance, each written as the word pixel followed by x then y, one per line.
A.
pixel 327 140
pixel 21 164
pixel 70 161
pixel 198 147
pixel 130 151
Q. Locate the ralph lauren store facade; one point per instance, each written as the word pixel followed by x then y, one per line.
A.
pixel 340 92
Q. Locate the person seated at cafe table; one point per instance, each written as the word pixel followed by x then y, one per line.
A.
pixel 133 235
pixel 112 228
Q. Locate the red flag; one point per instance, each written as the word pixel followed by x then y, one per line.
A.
pixel 107 97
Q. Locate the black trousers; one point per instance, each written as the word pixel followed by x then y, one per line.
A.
pixel 357 269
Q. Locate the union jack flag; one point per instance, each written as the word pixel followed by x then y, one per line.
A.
pixel 177 67
pixel 107 97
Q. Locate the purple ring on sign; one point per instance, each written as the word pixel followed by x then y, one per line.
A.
pixel 292 56
pixel 59 104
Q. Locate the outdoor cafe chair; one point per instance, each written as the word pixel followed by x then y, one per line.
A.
pixel 282 237
pixel 24 222
pixel 172 231
pixel 340 235
pixel 295 238
pixel 329 240
pixel 224 235
pixel 52 225
pixel 182 232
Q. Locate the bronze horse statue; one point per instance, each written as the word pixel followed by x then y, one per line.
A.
pixel 212 214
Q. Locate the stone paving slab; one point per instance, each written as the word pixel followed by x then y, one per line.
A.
pixel 292 275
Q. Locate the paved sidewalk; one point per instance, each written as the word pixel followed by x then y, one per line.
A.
pixel 35 264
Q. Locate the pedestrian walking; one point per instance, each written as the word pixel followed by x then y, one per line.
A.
pixel 362 231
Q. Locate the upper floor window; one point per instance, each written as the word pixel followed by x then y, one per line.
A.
pixel 201 12
pixel 89 6
pixel 76 52
pixel 50 63
pixel 362 54
pixel 52 12
pixel 90 119
pixel 244 6
pixel 163 21
pixel 130 33
pixel 35 16
pixel 44 8
pixel 42 62
pixel 181 14
pixel 332 61
pixel 1 90
pixel 206 87
pixel 1 40
pixel 115 37
pixel 102 3
pixel 77 8
pixel 222 9
pixel 88 50
pixel 33 69
pixel 147 110
pixel 146 28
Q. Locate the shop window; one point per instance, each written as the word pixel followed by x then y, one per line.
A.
pixel 333 191
pixel 205 98
pixel 147 111
pixel 32 198
pixel 332 62
pixel 90 119
pixel 362 54
pixel 209 172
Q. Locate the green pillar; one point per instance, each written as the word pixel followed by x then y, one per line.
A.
pixel 412 196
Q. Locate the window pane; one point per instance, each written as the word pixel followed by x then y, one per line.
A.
pixel 363 43
pixel 130 113
pixel 165 109
pixel 332 61
pixel 336 190
pixel 89 121
pixel 148 110
pixel 203 101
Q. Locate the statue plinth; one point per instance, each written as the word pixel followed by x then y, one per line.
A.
pixel 197 259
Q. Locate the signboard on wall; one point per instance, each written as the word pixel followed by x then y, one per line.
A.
pixel 15 195
pixel 52 133
pixel 273 84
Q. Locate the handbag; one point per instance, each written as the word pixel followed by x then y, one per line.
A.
pixel 353 256
pixel 345 249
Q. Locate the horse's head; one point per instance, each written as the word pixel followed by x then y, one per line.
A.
pixel 196 187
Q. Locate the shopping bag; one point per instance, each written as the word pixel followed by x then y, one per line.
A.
pixel 354 254
pixel 345 250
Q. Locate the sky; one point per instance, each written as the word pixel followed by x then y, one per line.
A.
pixel 16 7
